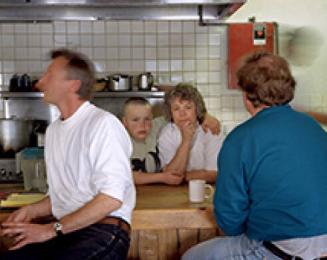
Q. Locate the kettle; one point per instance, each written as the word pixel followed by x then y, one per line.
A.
pixel 145 81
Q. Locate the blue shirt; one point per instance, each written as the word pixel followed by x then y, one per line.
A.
pixel 272 181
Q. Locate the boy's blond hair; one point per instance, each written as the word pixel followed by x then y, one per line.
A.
pixel 135 101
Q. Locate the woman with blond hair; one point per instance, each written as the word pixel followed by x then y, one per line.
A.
pixel 184 147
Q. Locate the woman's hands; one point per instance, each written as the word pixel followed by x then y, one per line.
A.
pixel 167 177
pixel 188 130
pixel 172 178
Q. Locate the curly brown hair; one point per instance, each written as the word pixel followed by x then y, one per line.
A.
pixel 186 91
pixel 266 79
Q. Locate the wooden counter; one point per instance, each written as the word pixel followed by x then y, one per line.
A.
pixel 160 206
pixel 165 224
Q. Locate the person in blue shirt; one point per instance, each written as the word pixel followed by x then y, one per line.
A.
pixel 270 198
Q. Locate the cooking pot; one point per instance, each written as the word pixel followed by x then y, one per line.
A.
pixel 15 134
pixel 145 81
pixel 120 82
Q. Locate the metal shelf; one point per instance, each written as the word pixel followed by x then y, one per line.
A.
pixel 107 94
pixel 8 94
pixel 128 94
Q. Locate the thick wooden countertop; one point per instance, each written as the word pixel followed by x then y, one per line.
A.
pixel 163 207
pixel 160 207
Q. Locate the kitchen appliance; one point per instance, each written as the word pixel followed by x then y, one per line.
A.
pixel 30 162
pixel 15 134
pixel 120 82
pixel 145 81
pixel 20 83
pixel 8 173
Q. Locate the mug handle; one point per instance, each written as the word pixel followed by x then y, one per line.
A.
pixel 209 194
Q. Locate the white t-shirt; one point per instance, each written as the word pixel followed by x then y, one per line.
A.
pixel 204 151
pixel 88 154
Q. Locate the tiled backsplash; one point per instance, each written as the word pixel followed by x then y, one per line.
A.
pixel 173 51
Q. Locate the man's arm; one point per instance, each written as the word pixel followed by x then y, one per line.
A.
pixel 231 201
pixel 90 213
pixel 99 207
pixel 28 213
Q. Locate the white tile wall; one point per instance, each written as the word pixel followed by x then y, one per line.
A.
pixel 173 51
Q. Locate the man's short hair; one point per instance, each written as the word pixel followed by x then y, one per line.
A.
pixel 134 101
pixel 79 67
pixel 266 79
pixel 186 91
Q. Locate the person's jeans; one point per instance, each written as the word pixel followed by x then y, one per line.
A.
pixel 229 248
pixel 98 241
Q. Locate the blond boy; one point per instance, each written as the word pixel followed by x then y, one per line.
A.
pixel 137 118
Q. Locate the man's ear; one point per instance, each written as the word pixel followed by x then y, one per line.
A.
pixel 123 119
pixel 76 85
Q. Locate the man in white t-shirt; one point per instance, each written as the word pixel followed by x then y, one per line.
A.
pixel 91 191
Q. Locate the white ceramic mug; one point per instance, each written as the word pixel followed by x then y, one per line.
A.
pixel 199 191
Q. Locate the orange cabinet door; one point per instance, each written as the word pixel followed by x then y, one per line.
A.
pixel 246 38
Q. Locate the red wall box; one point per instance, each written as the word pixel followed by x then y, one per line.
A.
pixel 246 38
